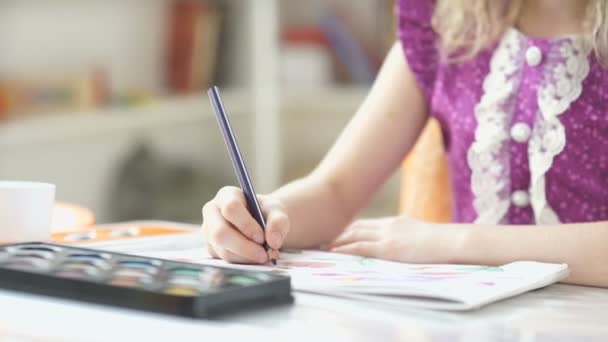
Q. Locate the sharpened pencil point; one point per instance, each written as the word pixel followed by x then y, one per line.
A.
pixel 274 262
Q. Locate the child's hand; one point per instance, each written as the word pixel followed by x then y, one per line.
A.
pixel 233 234
pixel 399 239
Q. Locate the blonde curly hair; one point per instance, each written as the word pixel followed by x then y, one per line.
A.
pixel 466 27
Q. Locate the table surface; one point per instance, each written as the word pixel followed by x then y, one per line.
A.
pixel 556 313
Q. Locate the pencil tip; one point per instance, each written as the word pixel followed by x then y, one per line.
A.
pixel 274 262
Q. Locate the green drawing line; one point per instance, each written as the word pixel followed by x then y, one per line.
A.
pixel 367 262
pixel 472 269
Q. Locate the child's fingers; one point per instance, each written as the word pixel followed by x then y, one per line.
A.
pixel 363 224
pixel 232 246
pixel 277 221
pixel 273 254
pixel 361 248
pixel 277 228
pixel 211 251
pixel 223 237
pixel 233 207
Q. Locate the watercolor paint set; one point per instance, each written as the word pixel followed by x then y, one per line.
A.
pixel 136 282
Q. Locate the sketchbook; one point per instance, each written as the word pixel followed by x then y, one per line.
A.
pixel 441 287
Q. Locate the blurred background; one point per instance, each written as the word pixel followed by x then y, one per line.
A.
pixel 106 98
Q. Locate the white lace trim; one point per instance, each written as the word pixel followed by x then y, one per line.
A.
pixel 488 156
pixel 561 86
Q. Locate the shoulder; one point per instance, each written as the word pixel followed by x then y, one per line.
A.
pixel 416 8
pixel 419 40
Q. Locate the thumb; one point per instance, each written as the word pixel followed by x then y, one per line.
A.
pixel 277 228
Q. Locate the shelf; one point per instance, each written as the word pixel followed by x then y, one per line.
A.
pixel 50 128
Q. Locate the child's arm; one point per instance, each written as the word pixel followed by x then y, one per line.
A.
pixel 583 246
pixel 316 209
pixel 367 152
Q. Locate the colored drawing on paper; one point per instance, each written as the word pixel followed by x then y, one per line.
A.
pixel 306 264
pixel 374 278
pixel 330 269
pixel 360 271
pixel 385 277
pixel 308 259
pixel 466 268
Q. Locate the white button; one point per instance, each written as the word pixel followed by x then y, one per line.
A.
pixel 533 56
pixel 520 198
pixel 520 132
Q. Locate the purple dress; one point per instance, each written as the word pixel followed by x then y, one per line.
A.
pixel 525 124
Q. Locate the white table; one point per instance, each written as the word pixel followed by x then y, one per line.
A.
pixel 557 313
pixel 560 312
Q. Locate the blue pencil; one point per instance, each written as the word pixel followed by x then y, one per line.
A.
pixel 237 161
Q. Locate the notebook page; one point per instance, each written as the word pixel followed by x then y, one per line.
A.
pixel 451 287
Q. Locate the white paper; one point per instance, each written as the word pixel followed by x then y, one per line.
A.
pixel 450 287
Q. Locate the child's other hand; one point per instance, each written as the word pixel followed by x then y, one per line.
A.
pixel 400 239
pixel 233 234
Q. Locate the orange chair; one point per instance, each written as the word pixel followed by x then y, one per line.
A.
pixel 425 188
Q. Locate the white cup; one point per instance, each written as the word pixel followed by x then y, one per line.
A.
pixel 26 210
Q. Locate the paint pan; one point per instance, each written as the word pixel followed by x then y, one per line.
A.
pixel 186 272
pixel 86 236
pixel 89 256
pixel 87 269
pixel 35 264
pixel 185 281
pixel 132 273
pixel 102 264
pixel 78 273
pixel 126 281
pixel 242 280
pixel 127 232
pixel 145 266
pixel 39 248
pixel 34 254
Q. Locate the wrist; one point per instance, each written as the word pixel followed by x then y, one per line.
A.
pixel 457 240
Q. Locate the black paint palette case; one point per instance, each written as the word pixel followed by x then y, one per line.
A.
pixel 156 285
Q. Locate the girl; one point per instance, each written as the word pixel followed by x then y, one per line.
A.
pixel 519 88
